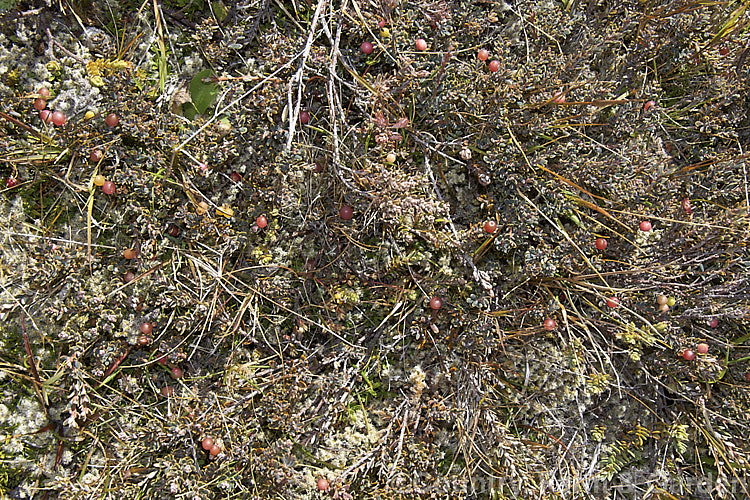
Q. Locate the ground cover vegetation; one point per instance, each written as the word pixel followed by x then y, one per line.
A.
pixel 346 249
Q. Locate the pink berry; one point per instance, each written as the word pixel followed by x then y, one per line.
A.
pixel 236 177
pixel 550 324
pixel 494 66
pixel 688 354
pixel 436 303
pixel 483 54
pixel 207 443
pixel 490 226
pixel 714 323
pixel 96 155
pixel 645 226
pixel 702 348
pixel 43 91
pixel 176 373
pixel 747 376
pixel 304 117
pixel 45 115
pixel 724 51
pixel 381 23
pixel 11 182
pixel 58 118
pixel 261 221
pixel 346 212
pixel 600 243
pixel 109 187
pixel 686 206
pixel 366 48
pixel 112 120
pixel 215 450
pixel 40 104
pixel 649 106
pixel 559 97
pixel 613 302
pixel 421 44
pixel 322 484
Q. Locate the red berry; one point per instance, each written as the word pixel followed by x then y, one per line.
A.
pixel 483 54
pixel 261 221
pixel 702 348
pixel 173 230
pixel 559 97
pixel 40 104
pixel 747 376
pixel 724 51
pixel 236 177
pixel 11 182
pixel 129 276
pixel 550 324
pixel 322 484
pixel 45 115
pixel 713 323
pixel 109 187
pixel 112 120
pixel 43 91
pixel 421 44
pixel 162 360
pixel 645 226
pixel 96 155
pixel 215 450
pixel 686 206
pixel 688 354
pixel 600 243
pixel 129 253
pixel 147 328
pixel 494 65
pixel 366 48
pixel 304 117
pixel 490 226
pixel 207 443
pixel 649 106
pixel 346 212
pixel 436 303
pixel 381 23
pixel 167 391
pixel 176 373
pixel 143 340
pixel 58 118
pixel 613 302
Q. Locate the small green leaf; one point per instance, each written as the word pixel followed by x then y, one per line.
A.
pixel 202 93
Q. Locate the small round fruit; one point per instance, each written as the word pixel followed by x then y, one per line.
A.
pixel 88 115
pixel 381 23
pixel 322 484
pixel 421 44
pixel 724 51
pixel 483 54
pixel 129 276
pixel 663 308
pixel 490 226
pixel 112 120
pixel 366 48
pixel 40 104
pixel 671 301
pixel 714 323
pixel 686 206
pixel 747 376
pixel 167 391
pixel 215 450
pixel 43 91
pixel 494 65
pixel 702 348
pixel 613 302
pixel 143 340
pixel 129 253
pixel 390 158
pixel 235 176
pixel 559 97
pixel 45 115
pixel 645 226
pixel 600 243
pixel 176 373
pixel 11 182
pixel 99 180
pixel 304 117
pixel 550 324
pixel 207 443
pixel 649 106
pixel 147 328
pixel 436 303
pixel 173 230
pixel 261 221
pixel 688 354
pixel 58 118
pixel 346 212
pixel 96 155
pixel 661 300
pixel 109 187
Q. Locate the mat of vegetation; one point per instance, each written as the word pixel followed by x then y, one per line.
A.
pixel 358 249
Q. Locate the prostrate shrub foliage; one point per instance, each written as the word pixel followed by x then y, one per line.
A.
pixel 374 250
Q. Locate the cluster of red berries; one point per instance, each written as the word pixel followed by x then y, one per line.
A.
pixel 493 65
pixel 40 104
pixel 210 446
pixel 689 354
